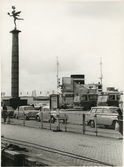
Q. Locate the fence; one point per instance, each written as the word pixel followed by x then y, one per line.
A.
pixel 76 123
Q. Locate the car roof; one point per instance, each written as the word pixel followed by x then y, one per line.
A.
pixel 47 106
pixel 26 106
pixel 9 107
pixel 104 107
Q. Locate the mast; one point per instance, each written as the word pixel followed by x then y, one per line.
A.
pixel 57 74
pixel 101 77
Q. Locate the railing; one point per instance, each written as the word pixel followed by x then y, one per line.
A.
pixel 76 123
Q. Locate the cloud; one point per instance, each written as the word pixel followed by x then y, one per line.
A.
pixel 99 10
pixel 77 33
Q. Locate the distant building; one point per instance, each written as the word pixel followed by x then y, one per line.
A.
pixel 78 78
pixel 75 86
pixel 97 86
pixel 111 89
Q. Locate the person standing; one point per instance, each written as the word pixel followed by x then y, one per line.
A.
pixel 120 121
pixel 4 113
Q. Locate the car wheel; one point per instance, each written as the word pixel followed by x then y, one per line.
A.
pixel 113 124
pixel 106 126
pixel 92 124
pixel 26 118
pixel 38 119
pixel 52 119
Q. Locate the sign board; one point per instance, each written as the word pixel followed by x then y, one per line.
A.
pixel 67 83
pixel 54 101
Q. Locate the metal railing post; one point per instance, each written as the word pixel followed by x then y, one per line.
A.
pixel 50 120
pixel 41 120
pixel 83 123
pixel 59 121
pixel 23 119
pixel 96 124
pixel 65 124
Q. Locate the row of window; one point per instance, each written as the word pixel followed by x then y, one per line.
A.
pixel 89 97
pixel 104 110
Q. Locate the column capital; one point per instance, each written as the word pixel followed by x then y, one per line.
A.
pixel 15 31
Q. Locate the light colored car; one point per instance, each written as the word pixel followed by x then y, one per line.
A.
pixel 10 111
pixel 51 115
pixel 38 106
pixel 106 115
pixel 27 111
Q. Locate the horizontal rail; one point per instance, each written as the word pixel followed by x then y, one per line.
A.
pixel 65 126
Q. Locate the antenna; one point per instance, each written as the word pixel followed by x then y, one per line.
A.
pixel 101 77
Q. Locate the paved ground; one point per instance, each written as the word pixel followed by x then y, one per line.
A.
pixel 106 150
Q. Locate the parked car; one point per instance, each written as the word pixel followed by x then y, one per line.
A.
pixel 38 106
pixel 106 115
pixel 10 111
pixel 28 111
pixel 51 115
pixel 68 106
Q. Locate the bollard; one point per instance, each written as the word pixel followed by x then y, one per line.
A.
pixel 83 123
pixel 96 124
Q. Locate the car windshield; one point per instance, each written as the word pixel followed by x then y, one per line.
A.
pixel 102 98
pixel 9 108
pixel 28 108
pixel 92 97
pixel 113 110
pixel 83 97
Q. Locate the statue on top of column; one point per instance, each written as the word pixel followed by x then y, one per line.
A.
pixel 15 15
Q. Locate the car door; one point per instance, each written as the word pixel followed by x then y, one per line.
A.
pixel 106 117
pixel 20 112
pixel 46 113
pixel 99 116
pixel 90 115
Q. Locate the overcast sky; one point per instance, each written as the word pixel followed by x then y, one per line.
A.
pixel 79 33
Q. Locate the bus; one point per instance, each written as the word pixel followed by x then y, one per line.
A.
pixel 86 101
pixel 111 98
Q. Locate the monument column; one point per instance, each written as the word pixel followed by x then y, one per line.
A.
pixel 15 64
pixel 15 100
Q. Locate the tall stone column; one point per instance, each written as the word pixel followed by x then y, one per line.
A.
pixel 15 64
